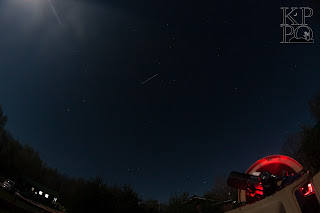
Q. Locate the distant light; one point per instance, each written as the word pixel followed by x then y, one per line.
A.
pixel 32 189
pixel 40 192
pixel 35 192
pixel 46 196
pixel 55 199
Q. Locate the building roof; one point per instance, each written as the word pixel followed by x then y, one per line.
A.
pixel 202 199
pixel 197 198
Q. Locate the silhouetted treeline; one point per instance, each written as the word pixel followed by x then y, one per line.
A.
pixel 76 194
pixel 79 195
pixel 304 146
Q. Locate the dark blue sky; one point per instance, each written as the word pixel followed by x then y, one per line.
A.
pixel 225 94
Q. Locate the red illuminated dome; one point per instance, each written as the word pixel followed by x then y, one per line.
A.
pixel 274 164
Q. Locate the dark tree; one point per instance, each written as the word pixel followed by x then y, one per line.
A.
pixel 151 206
pixel 177 205
pixel 221 192
pixel 3 121
pixel 310 148
pixel 304 146
pixel 314 105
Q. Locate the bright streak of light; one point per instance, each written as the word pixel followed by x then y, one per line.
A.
pixel 149 79
pixel 54 12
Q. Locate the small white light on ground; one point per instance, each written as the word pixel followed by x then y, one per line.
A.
pixel 46 195
pixel 40 192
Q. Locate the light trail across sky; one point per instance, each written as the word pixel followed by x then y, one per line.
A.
pixel 54 12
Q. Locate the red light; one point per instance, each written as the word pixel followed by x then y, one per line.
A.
pixel 308 191
pixel 259 192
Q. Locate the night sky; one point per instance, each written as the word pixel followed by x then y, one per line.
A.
pixel 162 95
